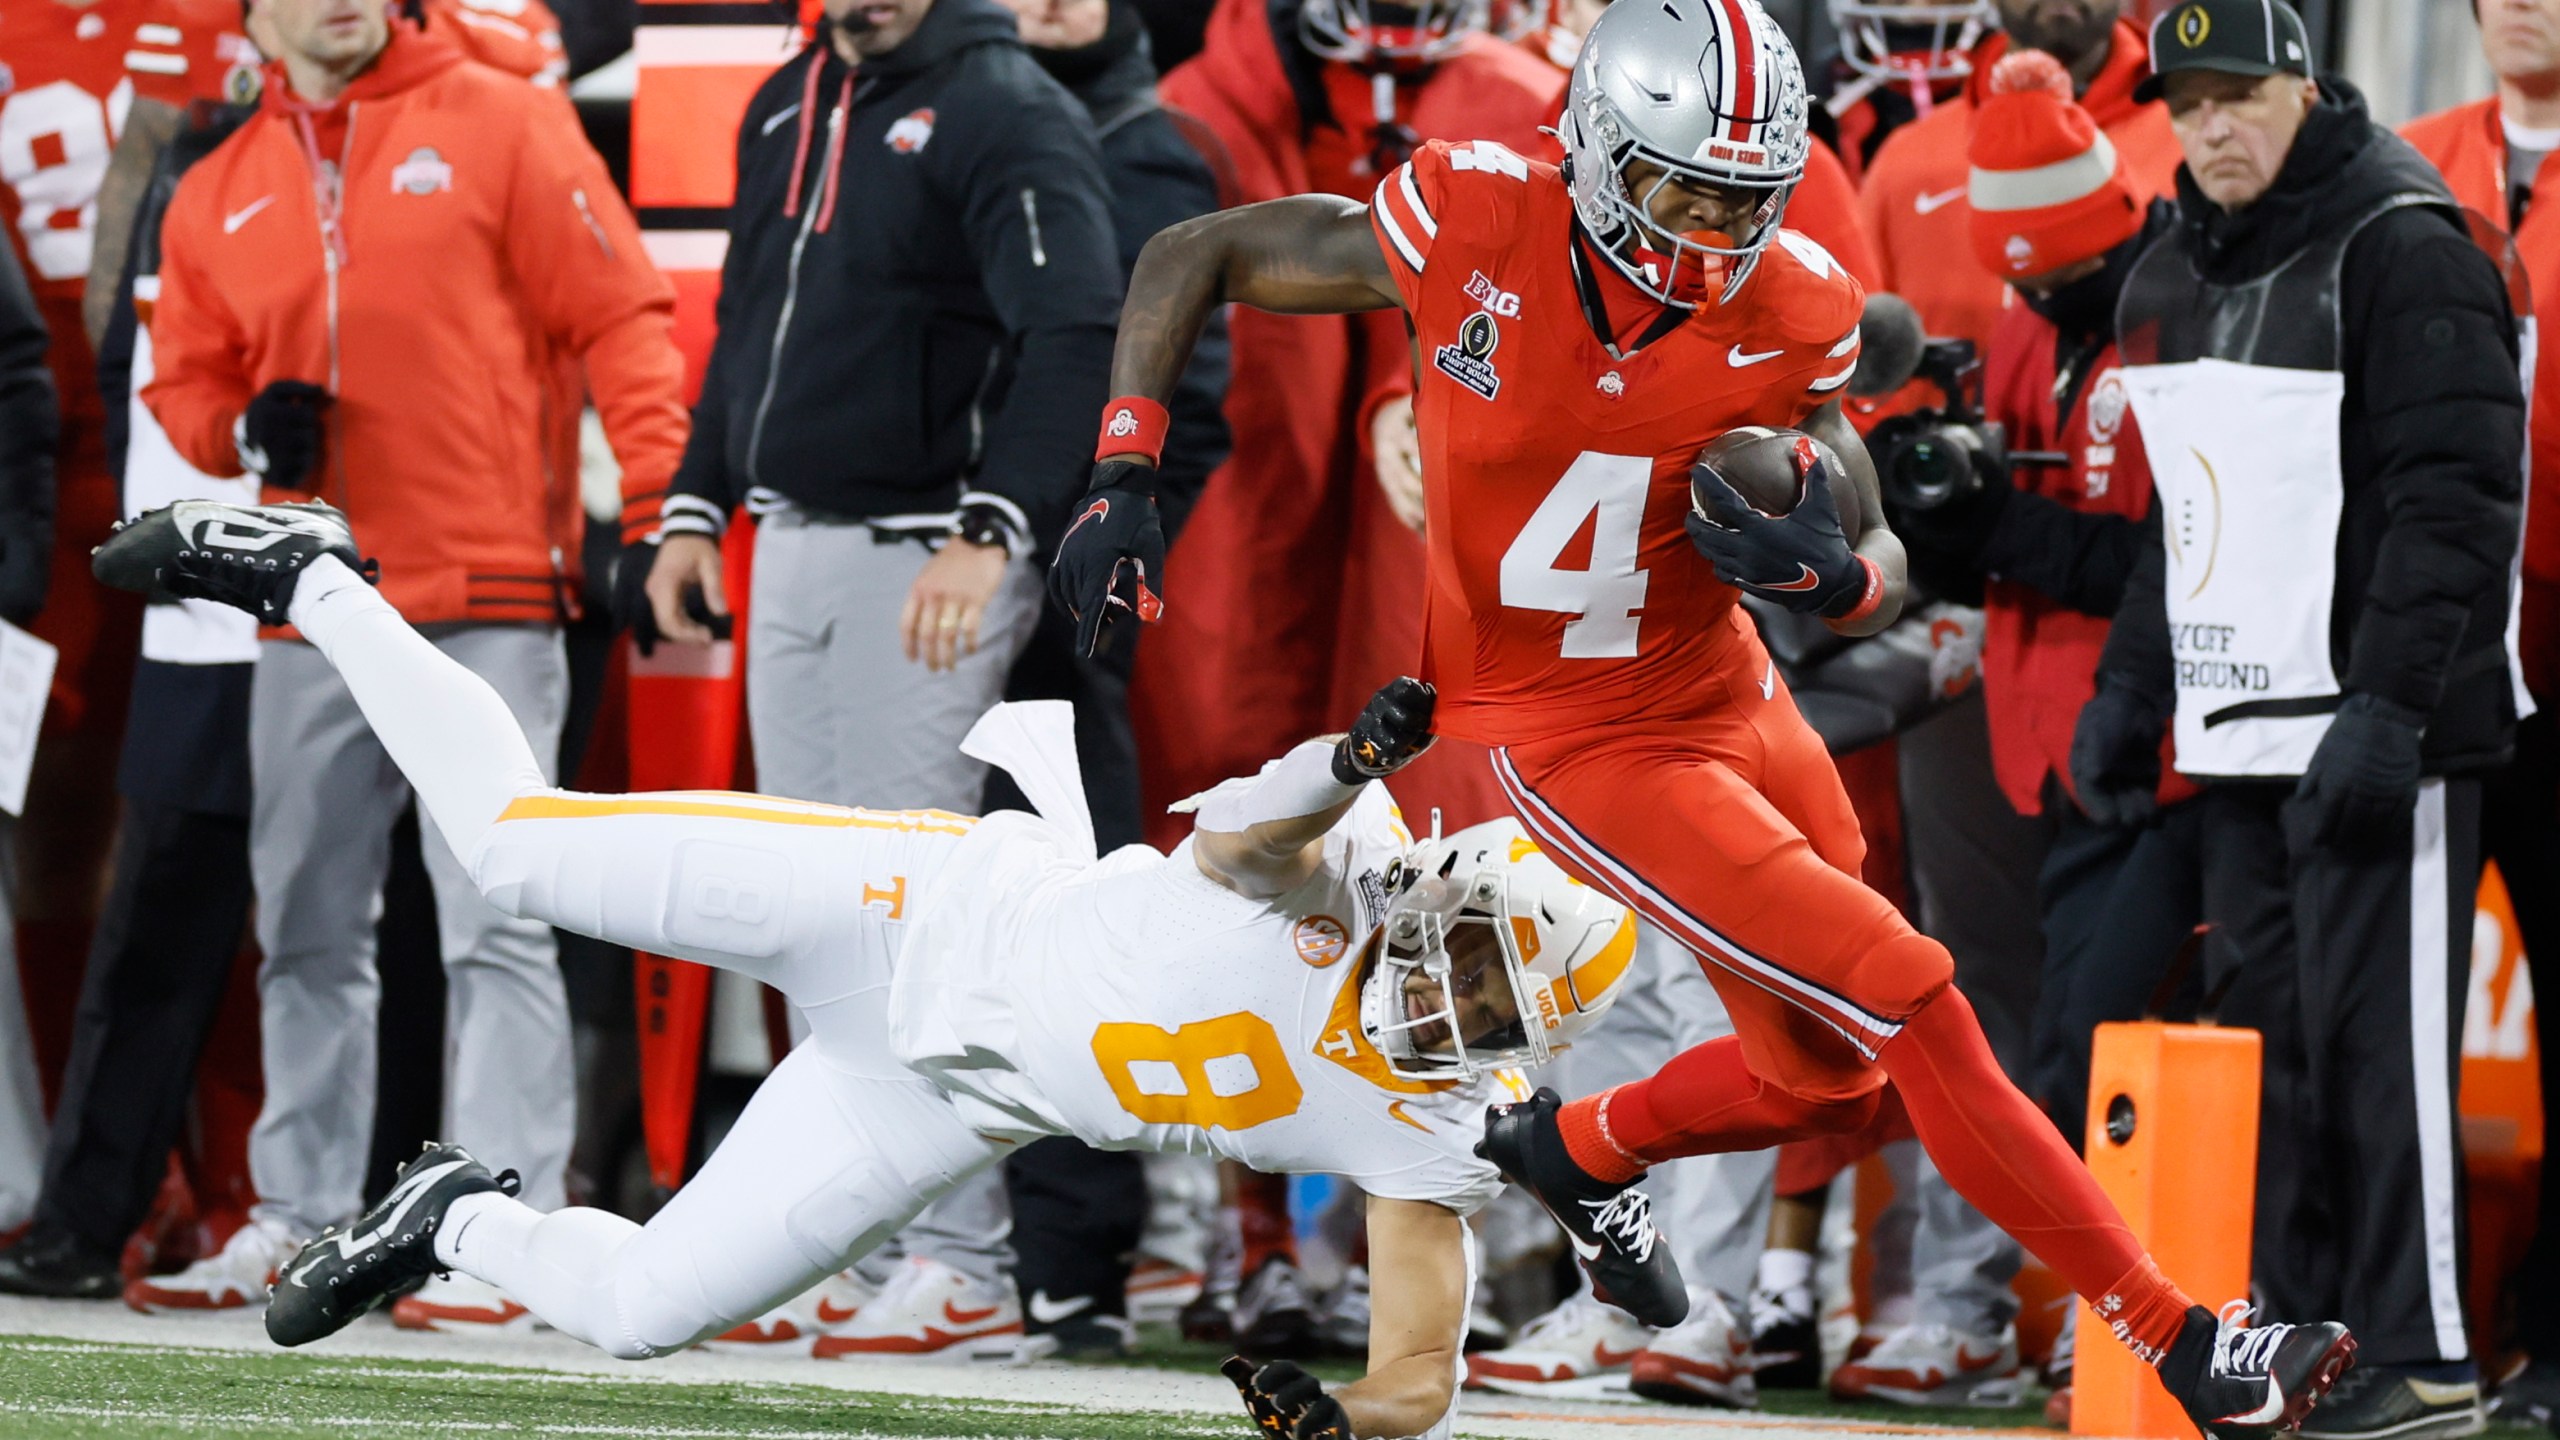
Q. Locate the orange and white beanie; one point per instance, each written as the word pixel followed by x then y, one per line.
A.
pixel 2047 188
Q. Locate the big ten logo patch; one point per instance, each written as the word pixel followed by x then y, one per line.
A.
pixel 1320 940
pixel 1505 303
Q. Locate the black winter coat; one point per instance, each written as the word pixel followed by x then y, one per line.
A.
pixel 2431 437
pixel 933 312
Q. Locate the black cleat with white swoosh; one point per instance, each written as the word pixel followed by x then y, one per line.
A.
pixel 2251 1382
pixel 385 1253
pixel 1611 1226
pixel 244 556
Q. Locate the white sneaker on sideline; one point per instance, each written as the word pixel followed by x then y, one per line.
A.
pixel 1578 1343
pixel 927 1307
pixel 1705 1360
pixel 1934 1365
pixel 457 1304
pixel 232 1278
pixel 795 1325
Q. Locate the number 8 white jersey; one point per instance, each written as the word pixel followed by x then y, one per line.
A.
pixel 1139 1005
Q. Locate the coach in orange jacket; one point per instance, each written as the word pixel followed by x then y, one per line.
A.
pixel 361 294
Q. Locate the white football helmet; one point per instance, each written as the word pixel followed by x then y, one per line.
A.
pixel 1562 948
pixel 1710 91
pixel 1370 32
pixel 1906 40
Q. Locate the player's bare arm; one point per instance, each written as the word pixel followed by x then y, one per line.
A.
pixel 1417 1318
pixel 1265 836
pixel 1304 255
pixel 148 126
pixel 1866 530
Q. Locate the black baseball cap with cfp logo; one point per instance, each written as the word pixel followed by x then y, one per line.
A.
pixel 2238 37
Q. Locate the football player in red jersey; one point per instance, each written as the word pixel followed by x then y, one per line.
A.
pixel 1582 334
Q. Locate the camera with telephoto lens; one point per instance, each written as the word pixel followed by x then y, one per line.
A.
pixel 1928 458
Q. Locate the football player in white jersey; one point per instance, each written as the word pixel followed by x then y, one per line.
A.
pixel 1300 987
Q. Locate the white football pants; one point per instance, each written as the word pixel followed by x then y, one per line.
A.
pixel 840 1146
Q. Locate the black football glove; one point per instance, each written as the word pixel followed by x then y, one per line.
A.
pixel 1286 1401
pixel 1111 556
pixel 1800 560
pixel 2362 783
pixel 632 610
pixel 2115 755
pixel 278 436
pixel 1393 728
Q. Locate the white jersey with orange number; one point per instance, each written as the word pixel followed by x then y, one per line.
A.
pixel 1138 1005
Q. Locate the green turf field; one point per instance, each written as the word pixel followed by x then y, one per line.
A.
pixel 53 1388
pixel 57 1388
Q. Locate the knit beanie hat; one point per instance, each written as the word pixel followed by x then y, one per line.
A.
pixel 2047 187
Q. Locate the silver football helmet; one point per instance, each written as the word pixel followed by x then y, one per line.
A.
pixel 1369 32
pixel 1907 40
pixel 1708 90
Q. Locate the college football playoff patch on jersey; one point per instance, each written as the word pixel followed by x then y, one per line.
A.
pixel 1470 361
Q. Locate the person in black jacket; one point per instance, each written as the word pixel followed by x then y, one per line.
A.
pixel 30 419
pixel 1078 1212
pixel 916 317
pixel 2332 409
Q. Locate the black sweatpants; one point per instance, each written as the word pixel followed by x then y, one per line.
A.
pixel 2118 902
pixel 175 916
pixel 2355 970
pixel 2520 829
pixel 1078 1214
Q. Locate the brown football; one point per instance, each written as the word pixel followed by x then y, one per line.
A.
pixel 1764 467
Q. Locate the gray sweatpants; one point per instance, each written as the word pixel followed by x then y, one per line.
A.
pixel 1714 1209
pixel 325 798
pixel 841 716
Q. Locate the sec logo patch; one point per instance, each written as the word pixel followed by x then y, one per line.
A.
pixel 1320 939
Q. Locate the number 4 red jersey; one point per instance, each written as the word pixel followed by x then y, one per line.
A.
pixel 1563 591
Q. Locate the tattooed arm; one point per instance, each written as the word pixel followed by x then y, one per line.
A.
pixel 1306 255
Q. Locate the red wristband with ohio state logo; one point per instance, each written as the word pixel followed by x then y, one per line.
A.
pixel 1133 425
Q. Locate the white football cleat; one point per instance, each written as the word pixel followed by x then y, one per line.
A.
pixel 926 1308
pixel 1934 1365
pixel 1705 1360
pixel 457 1304
pixel 1580 1346
pixel 232 1278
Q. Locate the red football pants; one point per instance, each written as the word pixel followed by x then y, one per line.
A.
pixel 1731 833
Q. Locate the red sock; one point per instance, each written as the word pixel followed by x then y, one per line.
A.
pixel 2001 1154
pixel 2144 1310
pixel 1588 1140
pixel 1262 1210
pixel 1706 1101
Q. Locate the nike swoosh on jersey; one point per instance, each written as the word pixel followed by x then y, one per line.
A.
pixel 1806 580
pixel 1737 359
pixel 1769 682
pixel 1050 1312
pixel 779 117
pixel 1932 203
pixel 1395 1110
pixel 232 222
